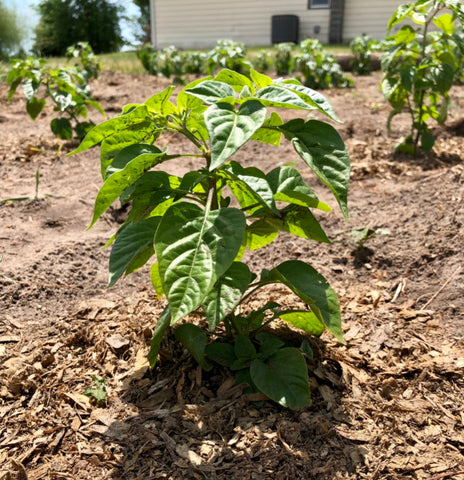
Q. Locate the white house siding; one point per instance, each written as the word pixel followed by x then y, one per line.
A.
pixel 369 18
pixel 199 24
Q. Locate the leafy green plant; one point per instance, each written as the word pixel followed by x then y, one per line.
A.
pixel 67 88
pixel 421 66
pixel 148 57
pixel 87 62
pixel 362 48
pixel 228 54
pixel 263 61
pixel 283 59
pixel 199 226
pixel 99 392
pixel 319 68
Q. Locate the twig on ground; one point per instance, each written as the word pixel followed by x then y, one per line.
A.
pixel 435 295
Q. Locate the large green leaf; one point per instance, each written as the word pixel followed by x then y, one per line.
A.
pixel 260 234
pixel 194 248
pixel 211 91
pixel 226 294
pixel 128 166
pixel 236 80
pixel 301 222
pixel 112 145
pixel 283 377
pixel 34 106
pixel 159 103
pixel 117 124
pixel 229 129
pixel 194 339
pixel 312 98
pixel 268 133
pixel 304 320
pixel 288 186
pixel 278 96
pixel 134 241
pixel 323 150
pixel 313 289
pixel 161 325
pixel 249 186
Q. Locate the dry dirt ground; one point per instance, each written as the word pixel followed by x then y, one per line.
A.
pixel 389 405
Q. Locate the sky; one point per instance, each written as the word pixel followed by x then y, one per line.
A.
pixel 29 17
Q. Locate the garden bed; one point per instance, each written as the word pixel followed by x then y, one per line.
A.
pixel 386 406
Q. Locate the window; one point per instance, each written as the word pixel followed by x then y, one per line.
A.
pixel 318 3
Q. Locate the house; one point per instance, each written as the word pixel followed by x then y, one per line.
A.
pixel 199 24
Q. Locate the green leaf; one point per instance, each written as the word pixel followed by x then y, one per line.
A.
pixel 283 377
pixel 159 103
pixel 221 353
pixel 62 128
pixel 194 339
pixel 156 281
pixel 312 98
pixel 288 186
pixel 259 79
pixel 226 294
pixel 260 234
pixel 129 120
pixel 194 248
pixel 427 139
pixel 112 145
pixel 249 186
pixel 278 96
pixel 269 344
pixel 98 393
pixel 34 106
pixel 306 321
pixel 187 101
pixel 161 325
pixel 229 129
pixel 128 166
pixel 244 348
pixel 211 91
pixel 268 132
pixel 313 289
pixel 323 150
pixel 301 222
pixel 236 80
pixel 134 241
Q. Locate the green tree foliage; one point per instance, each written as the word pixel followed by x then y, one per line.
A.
pixel 66 22
pixel 10 32
pixel 144 20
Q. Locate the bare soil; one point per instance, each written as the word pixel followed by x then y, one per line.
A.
pixel 388 405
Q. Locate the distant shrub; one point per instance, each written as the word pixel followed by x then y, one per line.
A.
pixel 263 61
pixel 283 59
pixel 362 48
pixel 320 69
pixel 228 54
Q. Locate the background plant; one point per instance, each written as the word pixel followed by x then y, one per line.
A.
pixel 320 69
pixel 198 234
pixel 283 59
pixel 228 54
pixel 67 88
pixel 362 48
pixel 421 66
pixel 87 62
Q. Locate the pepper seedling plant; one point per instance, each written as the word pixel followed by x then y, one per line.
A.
pixel 199 225
pixel 67 88
pixel 422 65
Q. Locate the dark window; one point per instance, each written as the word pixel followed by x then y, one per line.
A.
pixel 318 3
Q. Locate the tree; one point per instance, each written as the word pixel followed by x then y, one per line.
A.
pixel 10 32
pixel 144 20
pixel 65 22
